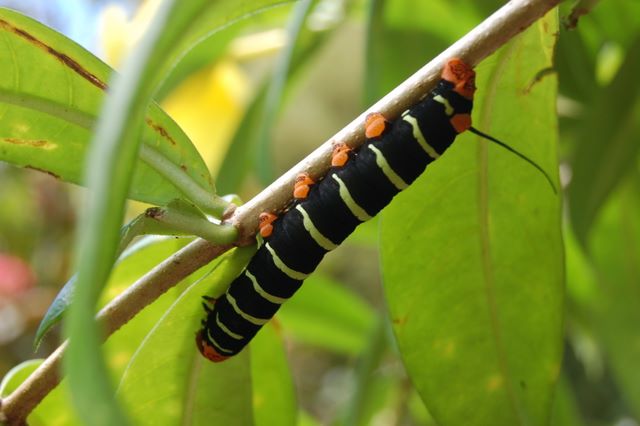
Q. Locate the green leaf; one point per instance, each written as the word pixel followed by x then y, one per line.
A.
pixel 276 88
pixel 274 394
pixel 51 90
pixel 472 254
pixel 614 248
pixel 121 346
pixel 327 315
pixel 17 375
pixel 144 254
pixel 168 382
pixel 54 409
pixel 565 407
pixel 608 148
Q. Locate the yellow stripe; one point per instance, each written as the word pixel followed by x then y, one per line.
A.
pixel 270 297
pixel 396 180
pixel 217 345
pixel 284 268
pixel 357 211
pixel 251 319
pixel 417 133
pixel 322 241
pixel 448 109
pixel 226 330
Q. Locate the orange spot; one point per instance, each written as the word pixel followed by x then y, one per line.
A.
pixel 461 75
pixel 265 221
pixel 300 192
pixel 302 185
pixel 461 122
pixel 207 350
pixel 303 179
pixel 374 125
pixel 340 155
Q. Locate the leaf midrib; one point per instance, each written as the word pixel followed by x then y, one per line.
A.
pixel 484 234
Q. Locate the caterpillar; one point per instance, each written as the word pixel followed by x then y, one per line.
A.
pixel 357 186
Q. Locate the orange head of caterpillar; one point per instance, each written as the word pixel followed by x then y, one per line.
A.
pixel 207 350
pixel 461 75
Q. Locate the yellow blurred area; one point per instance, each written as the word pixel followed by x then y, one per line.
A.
pixel 207 105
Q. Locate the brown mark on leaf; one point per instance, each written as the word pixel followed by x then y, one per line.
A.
pixel 38 169
pixel 62 57
pixel 538 77
pixel 400 321
pixel 39 143
pixel 154 212
pixel 183 167
pixel 160 130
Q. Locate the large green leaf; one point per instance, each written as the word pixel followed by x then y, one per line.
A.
pixel 472 254
pixel 51 90
pixel 274 394
pixel 168 382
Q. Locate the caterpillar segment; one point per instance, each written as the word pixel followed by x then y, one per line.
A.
pixel 360 183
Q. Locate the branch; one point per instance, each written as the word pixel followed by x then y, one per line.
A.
pixel 482 41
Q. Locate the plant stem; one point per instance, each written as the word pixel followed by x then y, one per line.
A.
pixel 486 38
pixel 200 197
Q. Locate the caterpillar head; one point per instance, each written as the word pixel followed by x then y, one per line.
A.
pixel 461 75
pixel 207 350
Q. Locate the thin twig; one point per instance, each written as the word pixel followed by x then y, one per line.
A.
pixel 486 38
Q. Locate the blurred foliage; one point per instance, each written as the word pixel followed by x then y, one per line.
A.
pixel 330 356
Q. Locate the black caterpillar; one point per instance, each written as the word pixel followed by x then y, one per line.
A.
pixel 360 183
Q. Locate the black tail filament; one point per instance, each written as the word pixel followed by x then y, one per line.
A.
pixel 508 148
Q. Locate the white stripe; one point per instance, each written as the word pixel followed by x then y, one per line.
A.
pixel 270 297
pixel 357 211
pixel 251 319
pixel 393 177
pixel 317 236
pixel 417 133
pixel 226 330
pixel 448 109
pixel 217 346
pixel 284 268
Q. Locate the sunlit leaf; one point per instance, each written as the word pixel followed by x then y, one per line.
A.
pixel 168 382
pixel 51 90
pixel 53 410
pixel 274 395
